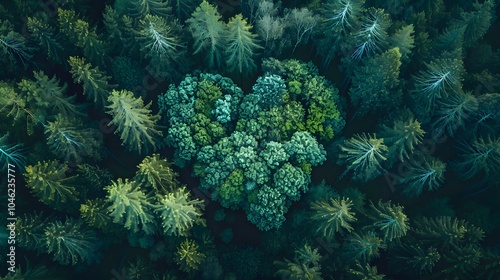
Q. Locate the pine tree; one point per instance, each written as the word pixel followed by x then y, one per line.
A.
pixel 11 154
pixel 179 213
pixel 209 32
pixel 188 256
pixel 134 121
pixel 95 82
pixel 375 84
pixel 426 175
pixel 454 111
pixel 68 139
pixel 157 174
pixel 241 46
pixel 364 154
pixel 333 216
pixel 47 38
pixel 130 206
pixel 480 154
pixel 389 219
pixel 402 138
pixel 48 181
pixel 71 242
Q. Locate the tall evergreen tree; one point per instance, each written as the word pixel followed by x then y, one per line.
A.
pixel 209 33
pixel 241 46
pixel 134 121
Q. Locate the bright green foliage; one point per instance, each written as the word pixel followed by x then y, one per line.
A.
pixel 374 85
pixel 402 138
pixel 81 35
pixel 30 231
pixel 404 40
pixel 305 148
pixel 158 43
pixel 274 154
pixel 48 96
pixel 441 230
pixel 480 154
pixel 241 46
pixel 363 247
pixel 425 175
pixel 305 265
pixel 130 206
pixel 231 193
pixel 11 154
pixel 46 37
pixel 188 256
pixel 134 121
pixel 441 78
pixel 157 174
pixel 290 180
pixel 477 22
pixel 179 213
pixel 95 82
pixel 366 272
pixel 68 139
pixel 333 215
pixel 462 260
pixel 322 115
pixel 208 31
pixel 71 242
pixel 412 259
pixel 454 111
pixel 48 181
pixel 267 212
pixel 94 212
pixel 389 219
pixel 363 154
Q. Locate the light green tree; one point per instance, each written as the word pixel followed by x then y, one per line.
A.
pixel 95 82
pixel 130 206
pixel 188 256
pixel 241 46
pixel 157 174
pixel 179 213
pixel 333 216
pixel 134 121
pixel 209 33
pixel 48 181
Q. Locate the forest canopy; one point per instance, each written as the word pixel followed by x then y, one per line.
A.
pixel 256 139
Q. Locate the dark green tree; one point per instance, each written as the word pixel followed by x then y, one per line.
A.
pixel 375 84
pixel 389 220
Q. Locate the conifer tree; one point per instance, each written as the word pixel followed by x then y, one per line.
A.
pixel 209 32
pixel 130 206
pixel 134 121
pixel 95 82
pixel 364 154
pixel 48 181
pixel 241 46
pixel 332 216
